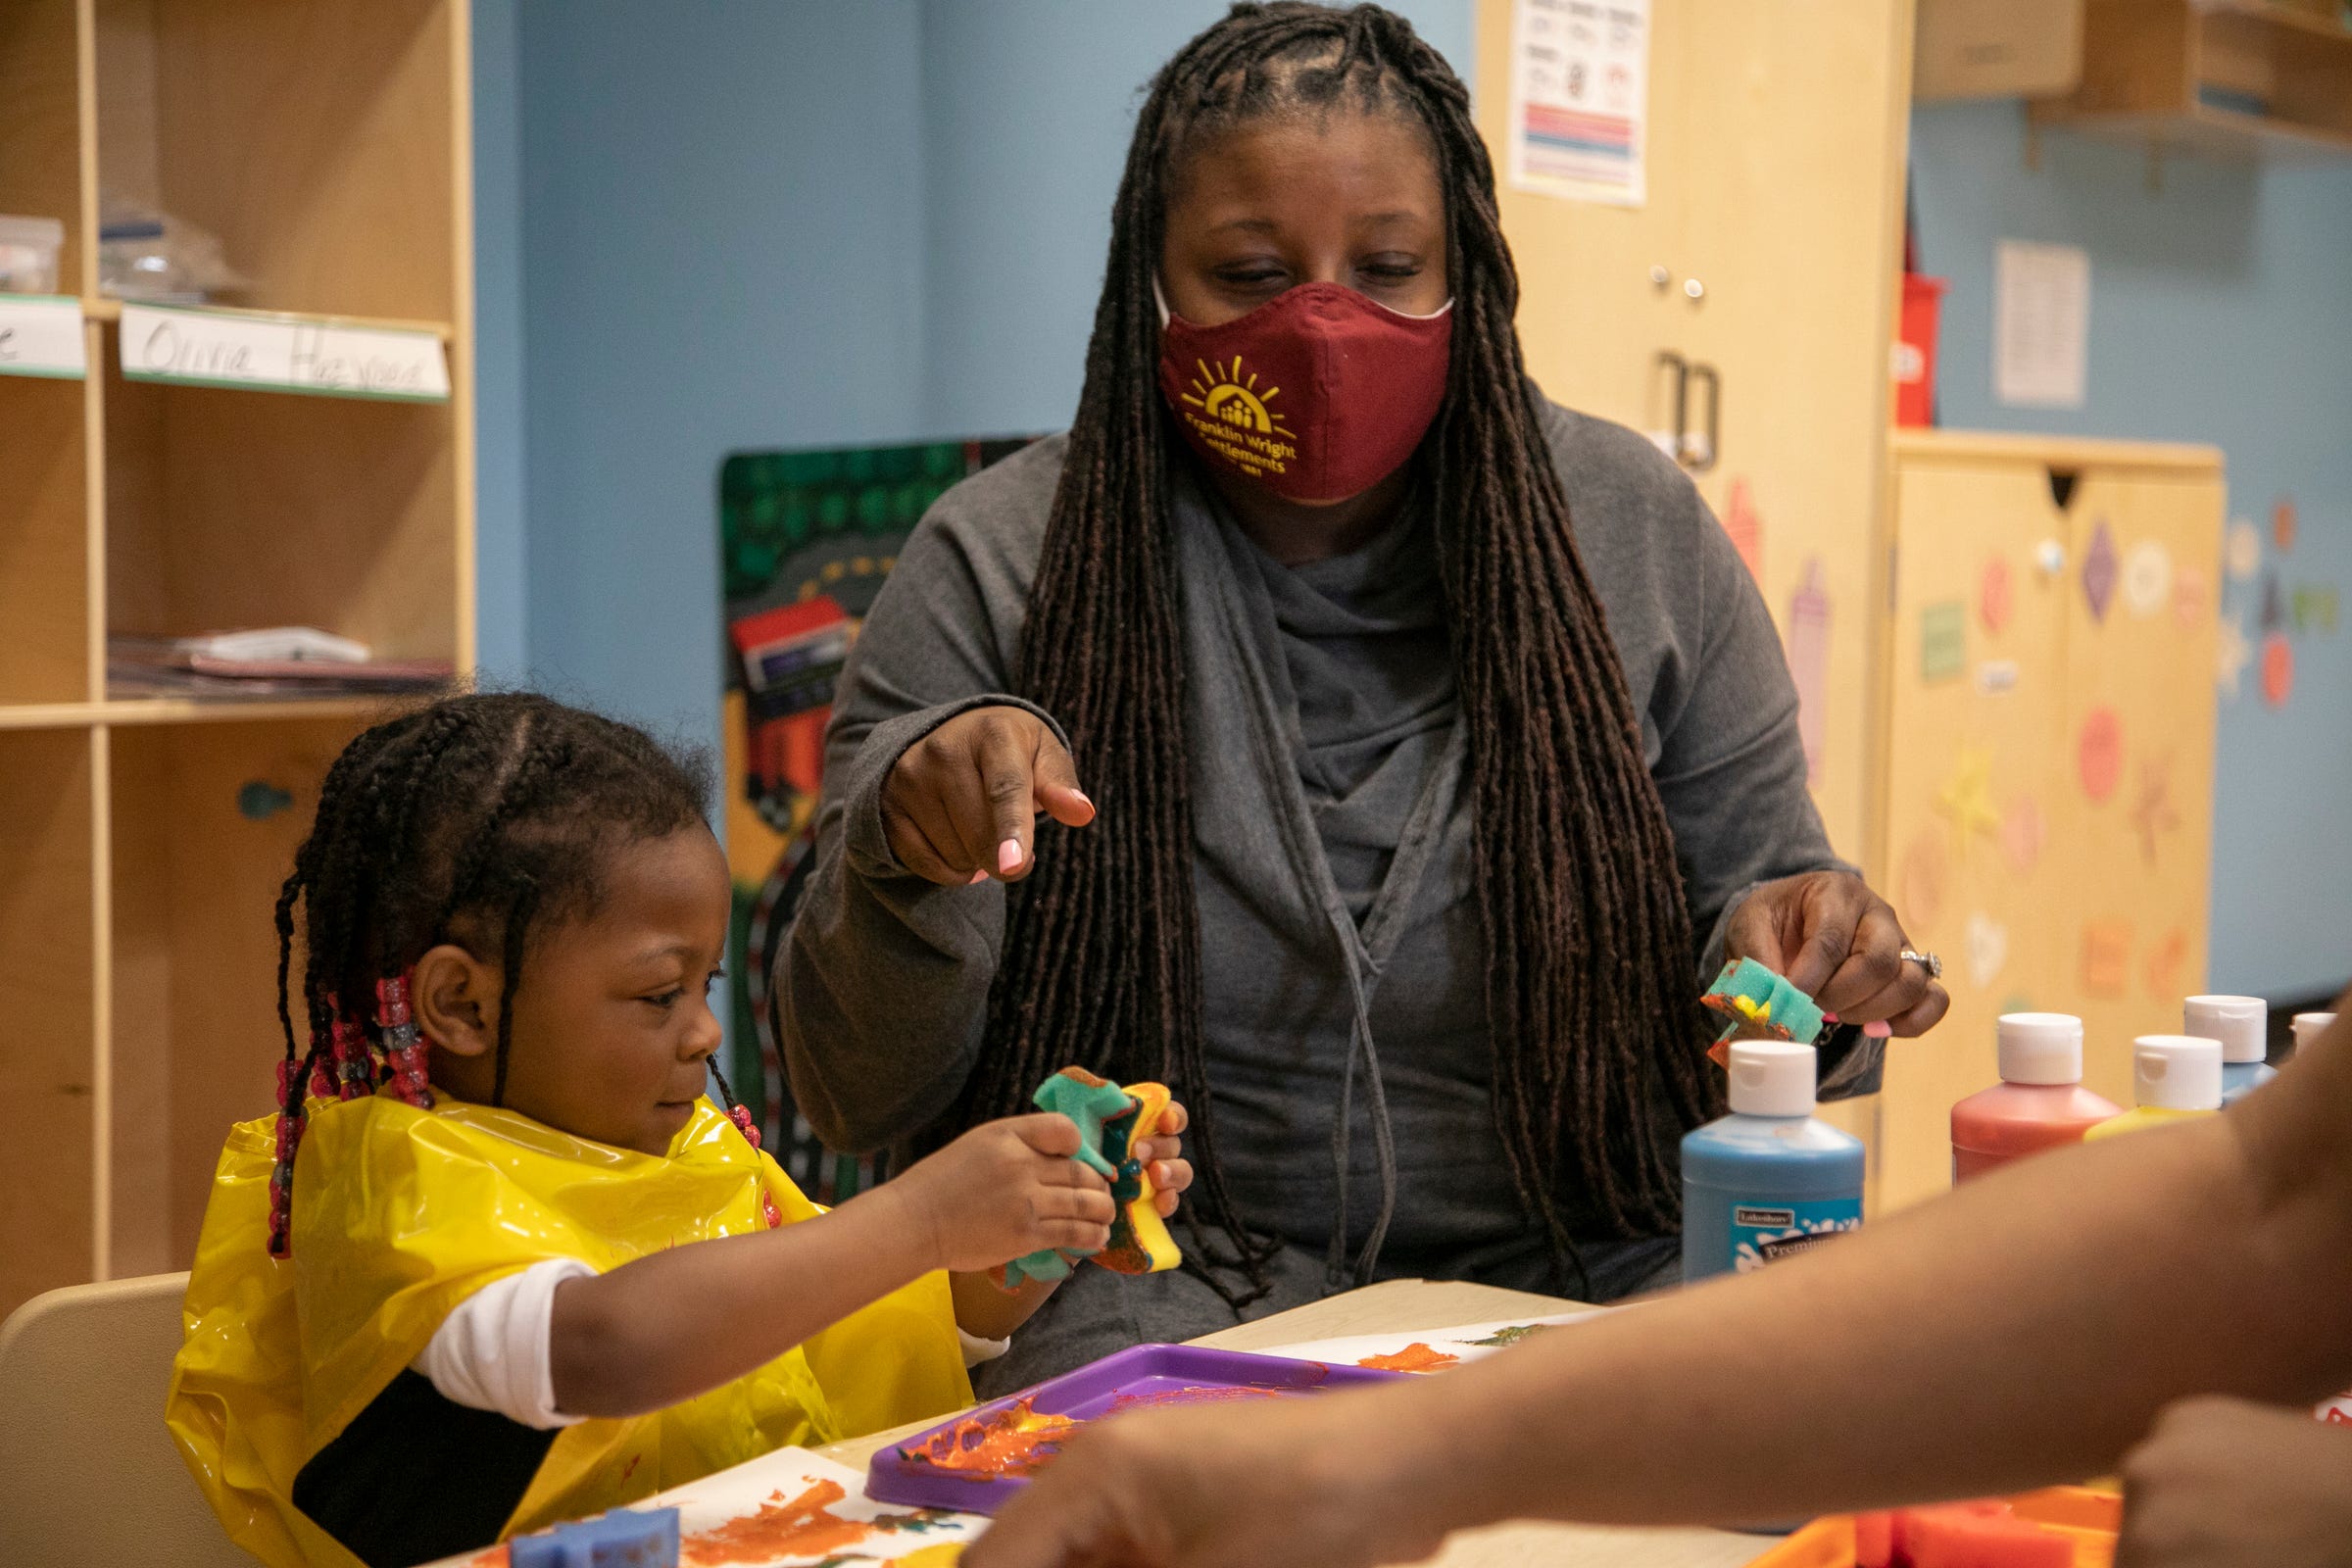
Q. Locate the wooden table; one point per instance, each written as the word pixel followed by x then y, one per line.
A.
pixel 1409 1306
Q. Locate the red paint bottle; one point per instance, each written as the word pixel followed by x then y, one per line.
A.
pixel 2039 1102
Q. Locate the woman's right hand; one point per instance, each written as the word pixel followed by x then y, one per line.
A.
pixel 959 804
pixel 1002 1191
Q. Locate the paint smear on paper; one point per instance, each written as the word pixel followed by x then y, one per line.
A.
pixel 2106 958
pixel 1014 1441
pixel 2099 569
pixel 804 1526
pixel 1942 641
pixel 1809 663
pixel 2165 961
pixel 1503 1338
pixel 1414 1358
pixel 2278 670
pixel 1745 525
pixel 1992 595
pixel 2023 831
pixel 2099 754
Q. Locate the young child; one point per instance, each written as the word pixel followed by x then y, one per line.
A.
pixel 520 1269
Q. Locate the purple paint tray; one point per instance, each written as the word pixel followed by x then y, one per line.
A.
pixel 1147 1374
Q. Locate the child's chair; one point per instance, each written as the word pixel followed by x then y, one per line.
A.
pixel 87 1473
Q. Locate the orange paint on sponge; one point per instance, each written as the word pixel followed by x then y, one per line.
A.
pixel 1974 1535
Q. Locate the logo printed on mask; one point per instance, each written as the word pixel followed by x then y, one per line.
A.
pixel 1235 422
pixel 1318 394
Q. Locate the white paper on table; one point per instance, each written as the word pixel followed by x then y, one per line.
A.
pixel 776 1480
pixel 1458 1342
pixel 2042 324
pixel 1580 99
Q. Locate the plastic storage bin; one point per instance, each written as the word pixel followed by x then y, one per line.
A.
pixel 28 248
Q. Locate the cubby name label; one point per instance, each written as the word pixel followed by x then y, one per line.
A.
pixel 40 334
pixel 283 354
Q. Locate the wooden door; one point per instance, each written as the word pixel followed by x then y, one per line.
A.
pixel 1977 690
pixel 1766 249
pixel 2133 836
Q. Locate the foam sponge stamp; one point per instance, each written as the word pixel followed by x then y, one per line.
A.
pixel 1759 1006
pixel 624 1538
pixel 1111 1120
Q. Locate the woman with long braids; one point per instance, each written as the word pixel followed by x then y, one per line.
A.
pixel 1331 726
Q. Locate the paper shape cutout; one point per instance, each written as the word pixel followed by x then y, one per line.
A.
pixel 1745 525
pixel 2314 608
pixel 1920 882
pixel 2278 670
pixel 2242 554
pixel 1996 675
pixel 2231 656
pixel 2099 567
pixel 1966 798
pixel 1992 595
pixel 2188 598
pixel 2165 961
pixel 1809 663
pixel 2024 832
pixel 2147 577
pixel 1942 641
pixel 2099 753
pixel 2282 524
pixel 2152 808
pixel 2106 958
pixel 2273 603
pixel 1987 941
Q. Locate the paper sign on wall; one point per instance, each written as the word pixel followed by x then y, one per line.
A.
pixel 2042 324
pixel 281 354
pixel 1580 99
pixel 1943 641
pixel 40 334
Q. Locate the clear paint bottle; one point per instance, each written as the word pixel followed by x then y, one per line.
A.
pixel 2039 1102
pixel 2242 1024
pixel 2174 1078
pixel 1769 1180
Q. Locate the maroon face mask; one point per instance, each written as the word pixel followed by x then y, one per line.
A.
pixel 1318 394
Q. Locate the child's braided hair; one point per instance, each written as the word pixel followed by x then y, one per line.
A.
pixel 481 818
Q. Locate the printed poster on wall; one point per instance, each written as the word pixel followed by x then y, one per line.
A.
pixel 1580 99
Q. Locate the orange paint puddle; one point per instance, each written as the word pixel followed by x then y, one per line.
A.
pixel 803 1527
pixel 1013 1442
pixel 1414 1358
pixel 1226 1395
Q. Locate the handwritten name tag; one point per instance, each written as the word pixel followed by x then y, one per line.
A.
pixel 40 334
pixel 281 354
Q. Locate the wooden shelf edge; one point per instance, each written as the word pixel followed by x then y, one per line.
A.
pixel 2066 450
pixel 103 308
pixel 195 710
pixel 2288 17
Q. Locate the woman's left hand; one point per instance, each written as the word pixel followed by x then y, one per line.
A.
pixel 2221 1482
pixel 1841 945
pixel 1160 1155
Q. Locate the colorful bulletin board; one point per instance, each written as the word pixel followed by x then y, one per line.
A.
pixel 805 539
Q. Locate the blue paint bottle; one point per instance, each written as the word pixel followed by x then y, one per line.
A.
pixel 1768 1181
pixel 2242 1025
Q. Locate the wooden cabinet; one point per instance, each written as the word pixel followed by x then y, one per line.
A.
pixel 142 838
pixel 2048 752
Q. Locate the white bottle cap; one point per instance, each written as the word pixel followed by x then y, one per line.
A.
pixel 2242 1024
pixel 2041 1048
pixel 2309 1026
pixel 1774 1078
pixel 2176 1073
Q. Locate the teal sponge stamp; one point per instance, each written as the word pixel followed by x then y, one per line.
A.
pixel 1758 1005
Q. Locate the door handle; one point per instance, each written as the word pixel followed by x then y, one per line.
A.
pixel 1671 440
pixel 1698 455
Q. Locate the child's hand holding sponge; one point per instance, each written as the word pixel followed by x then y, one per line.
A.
pixel 1120 1132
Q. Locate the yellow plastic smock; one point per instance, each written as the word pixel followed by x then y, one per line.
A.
pixel 400 1214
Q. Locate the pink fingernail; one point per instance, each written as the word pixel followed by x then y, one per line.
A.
pixel 1881 1030
pixel 1829 1017
pixel 1008 856
pixel 1082 795
pixel 978 877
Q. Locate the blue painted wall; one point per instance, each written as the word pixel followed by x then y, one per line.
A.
pixel 501 566
pixel 2221 312
pixel 773 224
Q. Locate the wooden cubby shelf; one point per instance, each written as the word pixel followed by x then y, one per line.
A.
pixel 2228 78
pixel 327 144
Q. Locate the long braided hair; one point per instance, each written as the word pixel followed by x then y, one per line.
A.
pixel 486 817
pixel 1589 1001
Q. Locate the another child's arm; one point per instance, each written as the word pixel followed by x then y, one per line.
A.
pixel 987 1311
pixel 674 1324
